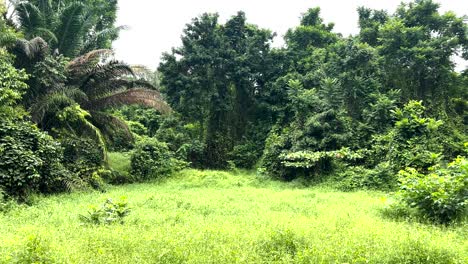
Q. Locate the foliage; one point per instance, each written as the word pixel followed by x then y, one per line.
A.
pixel 152 159
pixel 245 155
pixel 72 95
pixel 85 159
pixel 35 250
pixel 70 27
pixel 8 36
pixel 216 81
pixel 414 142
pixel 410 43
pixel 382 177
pixel 81 154
pixel 148 117
pixel 108 213
pixel 30 160
pixel 274 147
pixel 12 85
pixel 441 195
pixel 307 146
pixel 182 138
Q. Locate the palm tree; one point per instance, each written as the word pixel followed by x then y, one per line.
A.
pixel 70 27
pixel 95 82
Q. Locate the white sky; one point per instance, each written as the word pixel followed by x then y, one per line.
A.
pixel 156 26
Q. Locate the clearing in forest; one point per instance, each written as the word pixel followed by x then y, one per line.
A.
pixel 221 217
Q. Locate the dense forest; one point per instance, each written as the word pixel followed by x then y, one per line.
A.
pixel 382 110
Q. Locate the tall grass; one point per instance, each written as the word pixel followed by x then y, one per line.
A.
pixel 219 217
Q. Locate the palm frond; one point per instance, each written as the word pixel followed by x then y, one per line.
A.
pixel 49 103
pixel 55 100
pixel 109 124
pixel 30 17
pixel 110 86
pixel 82 65
pixel 47 35
pixel 45 7
pixel 70 29
pixel 143 72
pixel 140 83
pixel 110 70
pixel 74 93
pixel 90 129
pixel 33 50
pixel 99 38
pixel 144 97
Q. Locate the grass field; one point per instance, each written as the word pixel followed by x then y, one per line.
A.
pixel 219 217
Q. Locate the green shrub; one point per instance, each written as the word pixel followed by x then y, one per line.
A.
pixel 245 155
pixel 441 195
pixel 81 155
pixel 12 81
pixel 275 145
pixel 30 160
pixel 119 139
pixel 152 159
pixel 382 177
pixel 108 213
pixel 414 142
pixel 137 128
pixel 192 152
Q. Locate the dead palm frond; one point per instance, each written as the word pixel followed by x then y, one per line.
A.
pixel 32 50
pixel 144 97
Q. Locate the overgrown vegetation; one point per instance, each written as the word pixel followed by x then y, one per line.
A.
pixel 221 217
pixel 380 111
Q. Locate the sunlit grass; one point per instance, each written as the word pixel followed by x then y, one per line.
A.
pixel 219 217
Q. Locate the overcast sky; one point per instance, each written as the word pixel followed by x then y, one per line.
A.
pixel 156 26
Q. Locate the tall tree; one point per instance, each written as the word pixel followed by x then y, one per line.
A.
pixel 417 45
pixel 214 78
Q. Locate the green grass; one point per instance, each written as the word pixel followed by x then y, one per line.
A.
pixel 219 217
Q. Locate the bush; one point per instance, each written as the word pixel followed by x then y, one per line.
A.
pixel 192 152
pixel 245 156
pixel 153 159
pixel 12 81
pixel 81 155
pixel 382 177
pixel 30 160
pixel 108 213
pixel 414 139
pixel 275 146
pixel 441 195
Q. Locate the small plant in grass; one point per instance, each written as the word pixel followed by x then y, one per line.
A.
pixel 108 213
pixel 35 250
pixel 5 204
